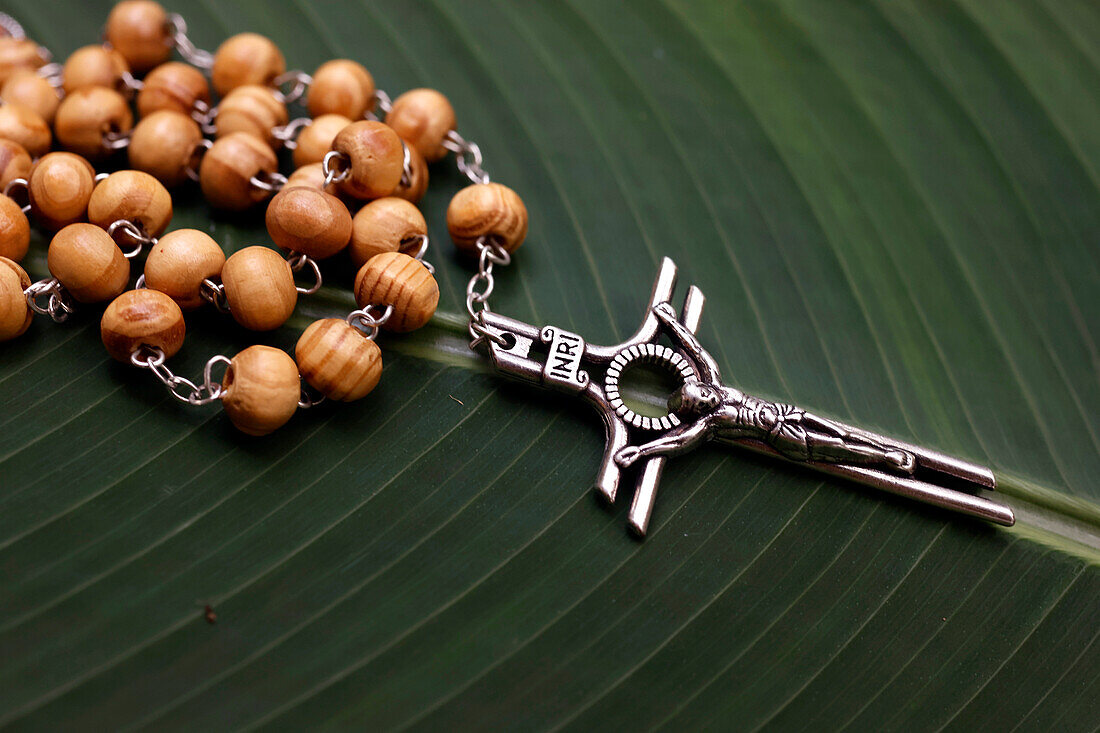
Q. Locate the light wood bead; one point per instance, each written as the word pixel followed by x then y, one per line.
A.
pixel 308 176
pixel 15 314
pixel 138 29
pixel 94 66
pixel 394 278
pixel 23 125
pixel 33 92
pixel 15 230
pixel 341 87
pixel 133 196
pixel 384 225
pixel 337 360
pixel 86 116
pixel 259 287
pixel 173 86
pixel 309 222
pixel 315 141
pixel 179 262
pixel 142 318
pixel 88 263
pixel 59 188
pixel 252 109
pixel 246 58
pixel 17 54
pixel 423 117
pixel 418 179
pixel 165 145
pixel 375 158
pixel 227 169
pixel 487 210
pixel 15 162
pixel 262 389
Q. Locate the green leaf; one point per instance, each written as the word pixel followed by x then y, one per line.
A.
pixel 893 208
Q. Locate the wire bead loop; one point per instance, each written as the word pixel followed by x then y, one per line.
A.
pixel 192 54
pixel 336 166
pixel 59 305
pixel 298 262
pixel 467 156
pixel 366 321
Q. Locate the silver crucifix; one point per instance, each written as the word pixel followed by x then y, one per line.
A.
pixel 703 408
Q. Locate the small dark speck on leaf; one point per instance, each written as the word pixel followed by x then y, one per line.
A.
pixel 209 615
pixel 943 618
pixel 457 400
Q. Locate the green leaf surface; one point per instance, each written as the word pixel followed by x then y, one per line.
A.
pixel 893 208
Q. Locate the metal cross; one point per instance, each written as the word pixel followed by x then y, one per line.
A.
pixel 704 408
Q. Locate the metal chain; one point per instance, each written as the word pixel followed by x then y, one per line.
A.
pixel 182 388
pixel 369 324
pixel 265 181
pixel 59 305
pixel 309 398
pixel 15 184
pixel 480 287
pixel 51 72
pixel 12 27
pixel 301 82
pixel 192 169
pixel 467 156
pixel 288 133
pixel 192 54
pixel 116 139
pixel 204 114
pixel 406 166
pixel 335 173
pixel 213 292
pixel 297 263
pixel 383 103
pixel 135 234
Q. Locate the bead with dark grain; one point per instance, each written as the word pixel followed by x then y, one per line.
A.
pixel 387 224
pixel 315 141
pixel 337 360
pixel 259 287
pixel 138 29
pixel 59 189
pixel 15 162
pixel 134 196
pixel 309 222
pixel 165 145
pixel 33 92
pixel 15 314
pixel 23 125
pixel 142 318
pixel 261 390
pixel 173 86
pixel 227 169
pixel 88 263
pixel 18 54
pixel 246 58
pixel 87 116
pixel 15 230
pixel 417 185
pixel 423 117
pixel 252 109
pixel 394 278
pixel 341 87
pixel 487 210
pixel 94 66
pixel 179 262
pixel 375 158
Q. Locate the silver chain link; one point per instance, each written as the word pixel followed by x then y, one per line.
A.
pixel 51 72
pixel 213 292
pixel 59 305
pixel 467 156
pixel 288 133
pixel 297 263
pixel 382 103
pixel 12 27
pixel 132 231
pixel 192 54
pixel 265 181
pixel 367 322
pixel 300 82
pixel 193 165
pixel 335 173
pixel 16 184
pixel 480 287
pixel 182 388
pixel 116 139
pixel 422 243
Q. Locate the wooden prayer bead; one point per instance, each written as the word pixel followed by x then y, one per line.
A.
pixel 173 86
pixel 246 58
pixel 15 314
pixel 165 145
pixel 33 92
pixel 375 159
pixel 87 116
pixel 142 318
pixel 94 66
pixel 341 87
pixel 59 189
pixel 384 225
pixel 393 278
pixel 179 262
pixel 309 222
pixel 262 390
pixel 17 54
pixel 88 263
pixel 138 29
pixel 337 361
pixel 259 288
pixel 309 176
pixel 227 169
pixel 417 184
pixel 487 210
pixel 23 125
pixel 134 196
pixel 315 141
pixel 423 117
pixel 252 109
pixel 15 230
pixel 15 162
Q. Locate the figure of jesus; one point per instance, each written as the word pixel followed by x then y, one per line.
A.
pixel 710 409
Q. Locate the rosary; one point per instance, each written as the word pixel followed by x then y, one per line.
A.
pixel 360 168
